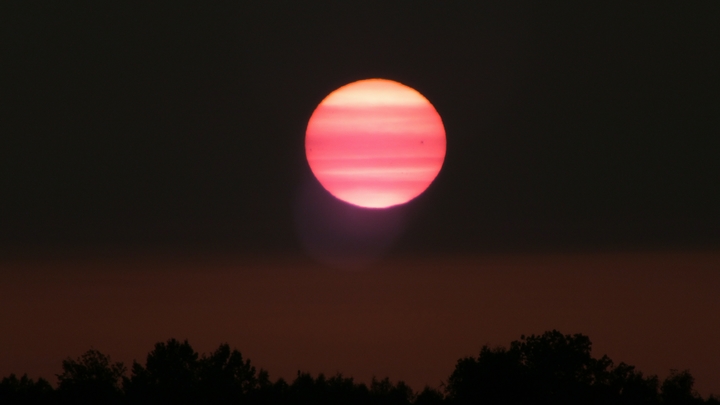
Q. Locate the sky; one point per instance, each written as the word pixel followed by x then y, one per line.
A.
pixel 152 165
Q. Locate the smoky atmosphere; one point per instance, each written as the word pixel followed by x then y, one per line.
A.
pixel 455 196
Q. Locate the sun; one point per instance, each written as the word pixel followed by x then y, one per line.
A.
pixel 375 143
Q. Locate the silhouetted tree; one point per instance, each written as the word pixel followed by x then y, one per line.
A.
pixel 90 379
pixel 497 376
pixel 326 391
pixel 560 367
pixel 677 389
pixel 170 376
pixel 429 396
pixel 225 378
pixel 25 391
pixel 551 368
pixel 306 390
pixel 272 394
pixel 343 390
pixel 384 392
pixel 175 374
pixel 627 386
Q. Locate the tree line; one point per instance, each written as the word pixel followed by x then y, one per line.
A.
pixel 547 369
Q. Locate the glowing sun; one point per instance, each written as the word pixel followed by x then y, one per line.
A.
pixel 375 143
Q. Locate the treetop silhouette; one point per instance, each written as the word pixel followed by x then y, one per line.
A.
pixel 551 368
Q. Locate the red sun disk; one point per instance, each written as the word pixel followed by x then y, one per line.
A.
pixel 375 143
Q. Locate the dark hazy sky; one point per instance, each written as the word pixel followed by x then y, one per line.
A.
pixel 182 124
pixel 130 132
pixel 409 319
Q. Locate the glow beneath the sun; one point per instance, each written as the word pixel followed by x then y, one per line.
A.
pixel 375 143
